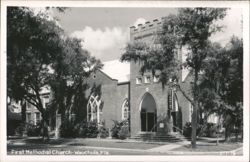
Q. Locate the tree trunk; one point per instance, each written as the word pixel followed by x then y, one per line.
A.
pixel 227 134
pixel 236 136
pixel 45 125
pixel 194 124
pixel 195 110
pixel 23 110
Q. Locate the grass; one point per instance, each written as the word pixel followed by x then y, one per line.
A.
pixel 210 147
pixel 114 144
pixel 90 142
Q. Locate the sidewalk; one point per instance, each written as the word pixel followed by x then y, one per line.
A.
pixel 169 147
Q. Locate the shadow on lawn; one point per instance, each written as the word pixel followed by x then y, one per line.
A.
pixel 77 144
pixel 199 145
pixel 49 142
pixel 214 140
pixel 142 142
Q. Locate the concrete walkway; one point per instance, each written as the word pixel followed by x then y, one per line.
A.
pixel 169 147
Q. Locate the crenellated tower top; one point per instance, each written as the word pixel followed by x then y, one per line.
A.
pixel 147 31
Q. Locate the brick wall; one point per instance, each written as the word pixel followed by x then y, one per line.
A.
pixel 122 93
pixel 138 91
pixel 113 96
pixel 148 34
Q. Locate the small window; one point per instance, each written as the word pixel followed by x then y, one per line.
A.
pixel 28 105
pixel 139 80
pixel 38 117
pixel 147 79
pixel 94 76
pixel 28 117
pixel 156 78
pixel 45 101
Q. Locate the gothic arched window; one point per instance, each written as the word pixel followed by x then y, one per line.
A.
pixel 94 108
pixel 125 109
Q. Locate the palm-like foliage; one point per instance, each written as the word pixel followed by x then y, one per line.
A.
pixel 157 58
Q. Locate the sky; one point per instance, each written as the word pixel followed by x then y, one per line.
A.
pixel 105 31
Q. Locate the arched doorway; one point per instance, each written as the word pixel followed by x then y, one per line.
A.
pixel 148 113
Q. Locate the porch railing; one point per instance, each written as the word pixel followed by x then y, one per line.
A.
pixel 153 127
pixel 180 130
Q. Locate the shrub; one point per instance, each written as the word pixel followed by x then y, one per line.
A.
pixel 120 129
pixel 87 129
pixel 20 129
pixel 187 129
pixel 12 126
pixel 67 130
pixel 103 132
pixel 124 132
pixel 210 130
pixel 92 130
pixel 33 130
pixel 115 129
pixel 84 129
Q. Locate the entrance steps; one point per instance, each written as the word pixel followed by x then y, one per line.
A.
pixel 159 137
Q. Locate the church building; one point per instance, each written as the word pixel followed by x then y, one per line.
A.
pixel 125 94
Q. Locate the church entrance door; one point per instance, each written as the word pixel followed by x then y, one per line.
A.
pixel 148 114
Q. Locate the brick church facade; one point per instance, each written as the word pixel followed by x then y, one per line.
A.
pixel 124 93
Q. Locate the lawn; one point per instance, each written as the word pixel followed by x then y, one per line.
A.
pixel 111 143
pixel 210 147
pixel 76 150
pixel 72 146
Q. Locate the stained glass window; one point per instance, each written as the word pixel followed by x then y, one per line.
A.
pixel 125 109
pixel 94 108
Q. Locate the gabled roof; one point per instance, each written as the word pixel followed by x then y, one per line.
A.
pixel 118 70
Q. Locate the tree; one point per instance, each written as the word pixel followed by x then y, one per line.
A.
pixel 34 42
pixel 68 82
pixel 223 81
pixel 191 27
pixel 40 55
pixel 32 45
